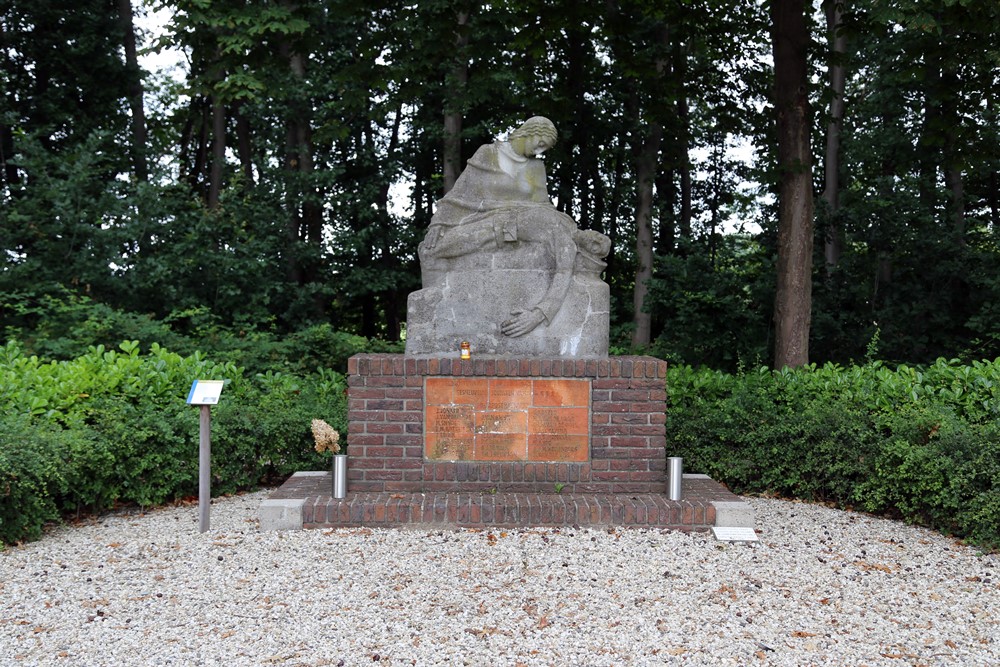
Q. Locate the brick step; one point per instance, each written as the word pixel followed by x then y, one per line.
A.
pixel 304 502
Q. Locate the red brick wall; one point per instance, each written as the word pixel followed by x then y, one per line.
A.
pixel 386 437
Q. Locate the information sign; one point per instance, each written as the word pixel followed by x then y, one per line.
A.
pixel 205 392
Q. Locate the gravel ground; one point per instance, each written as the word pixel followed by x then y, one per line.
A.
pixel 822 587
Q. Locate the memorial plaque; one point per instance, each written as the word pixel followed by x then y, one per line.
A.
pixel 448 431
pixel 727 534
pixel 561 393
pixel 472 392
pixel 500 447
pixel 502 422
pixel 438 391
pixel 510 395
pixel 559 420
pixel 506 419
pixel 553 447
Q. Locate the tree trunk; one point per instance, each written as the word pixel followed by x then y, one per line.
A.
pixel 833 240
pixel 683 163
pixel 218 151
pixel 951 158
pixel 9 172
pixel 294 150
pixel 135 92
pixel 454 99
pixel 927 143
pixel 793 298
pixel 244 146
pixel 666 195
pixel 646 163
pixel 684 225
pixel 993 197
pixel 8 168
pixel 613 206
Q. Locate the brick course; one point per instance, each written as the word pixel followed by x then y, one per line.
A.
pixel 386 427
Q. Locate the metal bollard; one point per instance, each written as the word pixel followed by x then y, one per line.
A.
pixel 339 476
pixel 675 466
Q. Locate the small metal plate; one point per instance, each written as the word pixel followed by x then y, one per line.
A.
pixel 724 534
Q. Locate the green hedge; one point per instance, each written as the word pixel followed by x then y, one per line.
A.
pixel 112 426
pixel 922 444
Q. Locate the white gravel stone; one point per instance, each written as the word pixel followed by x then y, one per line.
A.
pixel 822 587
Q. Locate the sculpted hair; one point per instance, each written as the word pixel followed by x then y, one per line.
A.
pixel 536 126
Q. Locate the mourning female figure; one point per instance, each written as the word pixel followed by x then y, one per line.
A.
pixel 498 230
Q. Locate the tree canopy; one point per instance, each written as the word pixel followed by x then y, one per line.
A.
pixel 286 178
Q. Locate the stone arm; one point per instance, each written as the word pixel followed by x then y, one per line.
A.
pixel 554 230
pixel 501 226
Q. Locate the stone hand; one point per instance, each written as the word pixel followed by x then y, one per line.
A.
pixel 523 322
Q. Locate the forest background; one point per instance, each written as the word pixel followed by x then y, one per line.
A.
pixel 784 182
pixel 285 177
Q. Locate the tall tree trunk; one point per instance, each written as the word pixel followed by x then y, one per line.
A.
pixel 613 206
pixel 294 150
pixel 305 215
pixel 135 92
pixel 993 196
pixel 951 158
pixel 683 162
pixel 666 195
pixel 454 100
pixel 928 141
pixel 218 151
pixel 244 146
pixel 8 168
pixel 833 240
pixel 394 296
pixel 684 224
pixel 646 163
pixel 9 172
pixel 993 189
pixel 793 298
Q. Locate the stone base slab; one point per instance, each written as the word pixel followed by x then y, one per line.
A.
pixel 304 501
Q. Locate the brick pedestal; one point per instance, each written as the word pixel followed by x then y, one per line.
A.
pixel 388 447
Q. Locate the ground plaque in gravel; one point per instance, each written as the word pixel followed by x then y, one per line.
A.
pixel 822 587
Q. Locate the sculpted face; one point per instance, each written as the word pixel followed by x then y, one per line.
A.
pixel 531 145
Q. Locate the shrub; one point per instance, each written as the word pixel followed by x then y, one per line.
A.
pixel 918 443
pixel 112 426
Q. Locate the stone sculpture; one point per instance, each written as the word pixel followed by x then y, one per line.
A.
pixel 505 270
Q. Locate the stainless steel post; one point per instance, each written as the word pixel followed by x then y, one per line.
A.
pixel 204 469
pixel 675 466
pixel 339 476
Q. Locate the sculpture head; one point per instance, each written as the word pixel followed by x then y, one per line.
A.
pixel 535 136
pixel 591 249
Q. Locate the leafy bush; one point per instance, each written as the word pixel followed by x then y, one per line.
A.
pixel 33 473
pixel 60 325
pixel 112 426
pixel 919 443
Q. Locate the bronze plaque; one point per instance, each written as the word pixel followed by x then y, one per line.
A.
pixel 506 419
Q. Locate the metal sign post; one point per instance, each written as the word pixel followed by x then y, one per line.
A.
pixel 205 393
pixel 204 468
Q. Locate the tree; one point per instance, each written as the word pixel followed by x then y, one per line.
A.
pixel 135 91
pixel 836 67
pixel 793 298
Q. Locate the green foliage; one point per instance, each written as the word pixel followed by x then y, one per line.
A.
pixel 711 305
pixel 33 475
pixel 112 426
pixel 919 443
